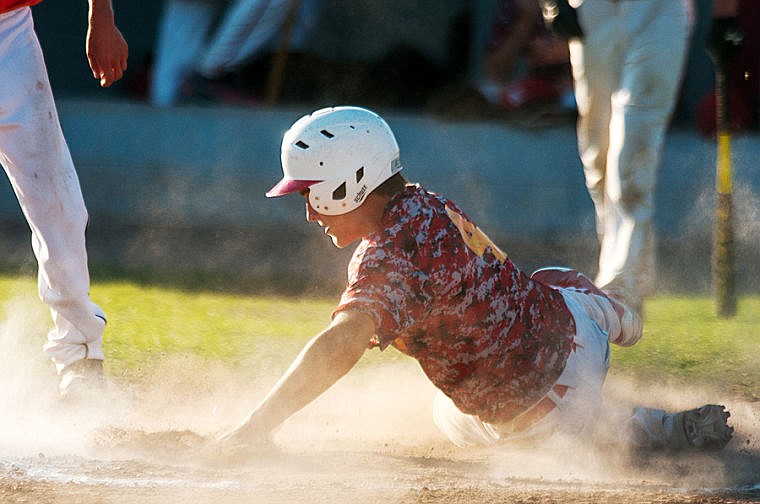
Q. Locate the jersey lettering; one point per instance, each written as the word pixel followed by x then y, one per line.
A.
pixel 476 240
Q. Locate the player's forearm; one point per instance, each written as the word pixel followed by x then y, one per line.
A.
pixel 106 49
pixel 324 360
pixel 100 11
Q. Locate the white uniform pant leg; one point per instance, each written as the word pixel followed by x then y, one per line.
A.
pixel 247 26
pixel 37 161
pixel 638 48
pixel 576 413
pixel 595 72
pixel 182 35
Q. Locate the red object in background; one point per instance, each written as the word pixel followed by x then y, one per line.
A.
pixel 529 91
pixel 740 115
pixel 743 83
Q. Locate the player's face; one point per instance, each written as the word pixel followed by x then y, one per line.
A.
pixel 342 229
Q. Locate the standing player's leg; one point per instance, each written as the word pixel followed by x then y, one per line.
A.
pixel 594 62
pixel 657 36
pixel 246 28
pixel 182 36
pixel 38 163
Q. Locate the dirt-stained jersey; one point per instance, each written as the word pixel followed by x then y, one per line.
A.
pixel 440 291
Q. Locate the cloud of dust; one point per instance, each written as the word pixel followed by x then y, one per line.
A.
pixel 386 408
pixel 373 407
pixel 606 463
pixel 693 262
pixel 370 407
pixel 378 408
pixel 33 417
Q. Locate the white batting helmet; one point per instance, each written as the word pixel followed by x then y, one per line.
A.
pixel 341 154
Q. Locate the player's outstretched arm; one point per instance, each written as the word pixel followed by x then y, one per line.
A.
pixel 107 51
pixel 322 362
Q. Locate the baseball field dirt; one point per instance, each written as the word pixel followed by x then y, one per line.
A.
pixel 369 439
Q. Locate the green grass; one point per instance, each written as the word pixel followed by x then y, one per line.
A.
pixel 683 339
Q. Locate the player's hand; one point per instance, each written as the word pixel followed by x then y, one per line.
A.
pixel 107 51
pixel 724 41
pixel 238 446
pixel 561 18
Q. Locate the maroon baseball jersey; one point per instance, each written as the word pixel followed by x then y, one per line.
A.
pixel 440 291
pixel 9 5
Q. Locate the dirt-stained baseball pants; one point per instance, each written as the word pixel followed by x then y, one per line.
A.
pixel 36 159
pixel 627 71
pixel 578 408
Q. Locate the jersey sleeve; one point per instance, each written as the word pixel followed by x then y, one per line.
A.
pixel 384 283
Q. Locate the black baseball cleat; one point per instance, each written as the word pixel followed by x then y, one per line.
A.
pixel 82 378
pixel 703 429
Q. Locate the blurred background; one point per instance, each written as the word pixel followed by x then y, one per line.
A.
pixel 414 55
pixel 174 159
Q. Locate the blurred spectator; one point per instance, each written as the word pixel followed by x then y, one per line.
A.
pixel 198 56
pixel 743 86
pixel 525 65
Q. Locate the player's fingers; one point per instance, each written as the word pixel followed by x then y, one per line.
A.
pixel 97 72
pixel 107 78
pixel 110 76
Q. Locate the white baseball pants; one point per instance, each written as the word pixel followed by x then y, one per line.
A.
pixel 249 26
pixel 627 71
pixel 189 41
pixel 181 37
pixel 36 159
pixel 577 412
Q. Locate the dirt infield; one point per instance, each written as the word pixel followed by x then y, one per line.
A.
pixel 369 439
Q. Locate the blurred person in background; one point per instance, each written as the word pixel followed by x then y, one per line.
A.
pixel 734 40
pixel 202 43
pixel 38 164
pixel 627 60
pixel 526 67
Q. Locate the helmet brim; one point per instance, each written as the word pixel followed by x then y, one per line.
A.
pixel 289 186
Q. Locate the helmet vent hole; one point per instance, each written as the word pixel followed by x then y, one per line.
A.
pixel 339 193
pixel 303 145
pixel 327 133
pixel 359 174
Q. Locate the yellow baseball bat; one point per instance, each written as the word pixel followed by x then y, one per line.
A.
pixel 723 254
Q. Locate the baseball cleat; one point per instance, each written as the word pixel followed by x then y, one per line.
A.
pixel 704 429
pixel 82 378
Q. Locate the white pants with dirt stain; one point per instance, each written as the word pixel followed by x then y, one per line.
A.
pixel 36 159
pixel 577 412
pixel 627 71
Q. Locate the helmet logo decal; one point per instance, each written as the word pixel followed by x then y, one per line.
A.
pixel 395 165
pixel 360 194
